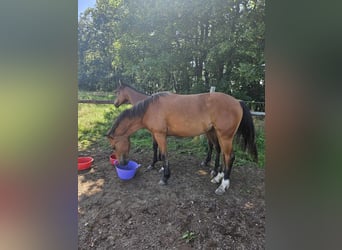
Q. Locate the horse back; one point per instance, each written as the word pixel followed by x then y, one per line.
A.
pixel 190 115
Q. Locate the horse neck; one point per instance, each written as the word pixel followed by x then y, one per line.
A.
pixel 129 126
pixel 134 96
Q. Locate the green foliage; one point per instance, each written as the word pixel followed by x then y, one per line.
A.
pixel 181 46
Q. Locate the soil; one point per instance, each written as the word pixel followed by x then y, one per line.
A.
pixel 185 214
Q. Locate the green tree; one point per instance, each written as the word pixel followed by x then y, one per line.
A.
pixel 181 46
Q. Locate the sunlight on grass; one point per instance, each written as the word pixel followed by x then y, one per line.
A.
pixel 93 123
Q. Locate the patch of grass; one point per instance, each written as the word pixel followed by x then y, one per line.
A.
pixel 141 140
pixel 260 141
pixel 188 146
pixel 242 158
pixel 188 236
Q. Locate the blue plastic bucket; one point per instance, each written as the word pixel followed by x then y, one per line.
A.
pixel 128 171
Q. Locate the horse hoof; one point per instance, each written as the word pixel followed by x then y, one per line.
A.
pixel 217 178
pixel 213 174
pixel 148 168
pixel 213 180
pixel 223 187
pixel 219 191
pixel 161 170
pixel 162 182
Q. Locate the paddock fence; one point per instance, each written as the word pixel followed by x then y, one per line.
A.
pixel 257 108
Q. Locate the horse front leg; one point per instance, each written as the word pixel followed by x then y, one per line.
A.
pixel 155 154
pixel 161 140
pixel 166 170
pixel 210 151
pixel 216 174
pixel 211 136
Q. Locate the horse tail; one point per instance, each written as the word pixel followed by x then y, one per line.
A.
pixel 246 130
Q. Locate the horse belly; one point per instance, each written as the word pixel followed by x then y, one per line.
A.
pixel 187 128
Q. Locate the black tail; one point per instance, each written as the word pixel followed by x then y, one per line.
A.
pixel 247 131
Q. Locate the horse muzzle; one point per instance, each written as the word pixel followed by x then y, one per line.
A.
pixel 123 161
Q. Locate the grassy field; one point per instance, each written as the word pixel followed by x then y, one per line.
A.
pixel 95 120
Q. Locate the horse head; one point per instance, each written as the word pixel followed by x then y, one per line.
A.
pixel 121 146
pixel 121 95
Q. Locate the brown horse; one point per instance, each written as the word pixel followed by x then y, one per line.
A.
pixel 167 114
pixel 127 94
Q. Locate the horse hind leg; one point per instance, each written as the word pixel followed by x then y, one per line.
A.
pixel 211 135
pixel 217 174
pixel 217 159
pixel 212 140
pixel 225 181
pixel 210 151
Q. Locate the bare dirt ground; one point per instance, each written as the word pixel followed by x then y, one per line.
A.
pixel 140 214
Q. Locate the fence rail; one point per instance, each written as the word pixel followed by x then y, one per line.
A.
pixel 256 106
pixel 97 101
pixel 258 113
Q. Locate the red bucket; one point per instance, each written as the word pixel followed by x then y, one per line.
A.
pixel 113 160
pixel 84 162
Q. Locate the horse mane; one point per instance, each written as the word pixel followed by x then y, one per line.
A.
pixel 125 85
pixel 137 111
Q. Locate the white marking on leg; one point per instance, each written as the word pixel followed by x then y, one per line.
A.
pixel 222 188
pixel 217 178
pixel 212 174
pixel 225 184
